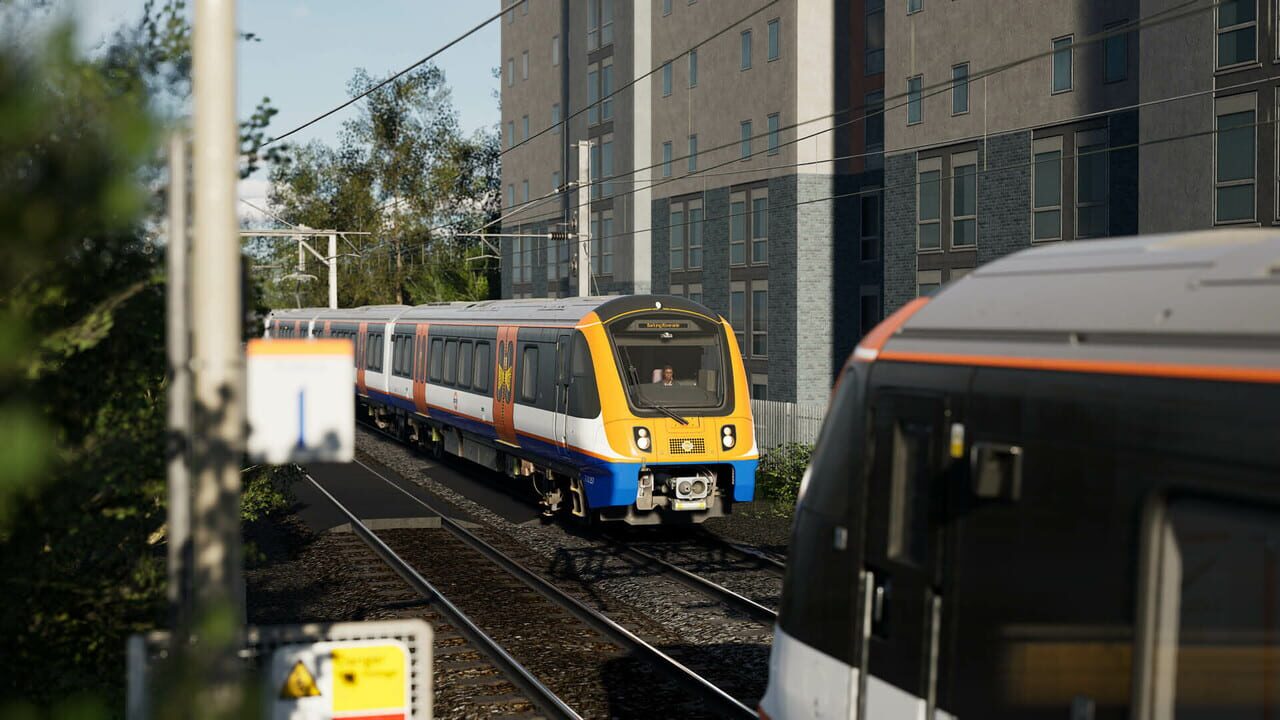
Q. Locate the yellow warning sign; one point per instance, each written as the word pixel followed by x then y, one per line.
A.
pixel 299 684
pixel 372 677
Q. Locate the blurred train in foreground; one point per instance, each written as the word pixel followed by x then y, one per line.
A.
pixel 629 408
pixel 1051 490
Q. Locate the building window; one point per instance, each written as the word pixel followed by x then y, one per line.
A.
pixel 511 195
pixel 693 68
pixel 869 235
pixel 745 144
pixel 1062 64
pixel 914 6
pixel 929 205
pixel 677 230
pixel 606 89
pixel 695 292
pixel 601 166
pixel 1115 57
pixel 759 386
pixel 738 229
pixel 524 125
pixel 524 191
pixel 599 23
pixel 773 134
pixel 593 94
pixel 524 65
pixel 960 89
pixel 873 123
pixel 695 239
pixel 759 228
pixel 1091 184
pixel 524 7
pixel 1237 32
pixel 511 133
pixel 1235 157
pixel 927 281
pixel 738 313
pixel 760 318
pixel 693 153
pixel 775 39
pixel 555 51
pixel 511 14
pixel 913 100
pixel 511 72
pixel 555 118
pixel 964 204
pixel 874 35
pixel 746 50
pixel 868 311
pixel 666 79
pixel 666 159
pixel 602 243
pixel 666 7
pixel 1046 180
pixel 555 180
pixel 557 259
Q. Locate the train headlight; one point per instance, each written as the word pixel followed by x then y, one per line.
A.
pixel 727 437
pixel 643 439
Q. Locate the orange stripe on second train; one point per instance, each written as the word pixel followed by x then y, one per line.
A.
pixel 1225 373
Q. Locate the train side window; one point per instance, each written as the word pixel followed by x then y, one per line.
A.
pixel 480 380
pixel 370 344
pixel 529 374
pixel 436 359
pixel 464 364
pixel 450 361
pixel 909 498
pixel 584 399
pixel 1212 599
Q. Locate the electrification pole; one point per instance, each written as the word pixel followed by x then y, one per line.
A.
pixel 219 373
pixel 584 218
pixel 179 420
pixel 333 271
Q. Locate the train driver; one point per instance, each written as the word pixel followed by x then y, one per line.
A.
pixel 668 376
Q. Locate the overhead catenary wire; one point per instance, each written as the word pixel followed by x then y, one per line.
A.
pixel 378 86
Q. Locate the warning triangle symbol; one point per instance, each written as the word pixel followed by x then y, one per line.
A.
pixel 299 684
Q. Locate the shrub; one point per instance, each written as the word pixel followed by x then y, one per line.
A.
pixel 780 471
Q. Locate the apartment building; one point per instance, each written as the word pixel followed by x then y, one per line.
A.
pixel 1014 123
pixel 730 163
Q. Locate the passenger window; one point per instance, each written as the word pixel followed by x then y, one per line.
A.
pixel 1215 635
pixel 909 499
pixel 529 374
pixel 481 379
pixel 436 358
pixel 450 361
pixel 464 364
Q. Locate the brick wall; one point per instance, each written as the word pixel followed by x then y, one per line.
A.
pixel 1004 197
pixel 899 230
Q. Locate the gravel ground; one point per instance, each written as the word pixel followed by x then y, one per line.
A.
pixel 729 649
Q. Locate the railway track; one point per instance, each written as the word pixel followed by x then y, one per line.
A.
pixel 714 699
pixel 537 693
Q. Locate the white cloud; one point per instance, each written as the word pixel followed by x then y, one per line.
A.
pixel 253 190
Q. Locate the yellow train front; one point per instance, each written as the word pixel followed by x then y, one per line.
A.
pixel 631 408
pixel 678 437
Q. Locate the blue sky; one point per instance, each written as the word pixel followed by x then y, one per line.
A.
pixel 309 48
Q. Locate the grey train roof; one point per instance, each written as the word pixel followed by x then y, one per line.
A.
pixel 1194 297
pixel 535 311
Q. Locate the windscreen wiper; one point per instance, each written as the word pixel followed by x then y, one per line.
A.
pixel 635 379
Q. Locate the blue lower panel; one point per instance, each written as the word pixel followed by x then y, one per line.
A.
pixel 609 484
pixel 744 480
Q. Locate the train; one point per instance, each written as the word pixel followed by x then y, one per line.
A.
pixel 1051 490
pixel 632 408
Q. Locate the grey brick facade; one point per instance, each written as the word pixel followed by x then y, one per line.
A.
pixel 899 230
pixel 1004 197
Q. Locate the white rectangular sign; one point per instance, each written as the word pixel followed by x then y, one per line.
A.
pixel 301 400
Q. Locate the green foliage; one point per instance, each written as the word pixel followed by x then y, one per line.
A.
pixel 780 472
pixel 266 491
pixel 404 172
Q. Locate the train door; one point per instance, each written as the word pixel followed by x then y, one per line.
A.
pixel 420 368
pixel 362 338
pixel 905 550
pixel 504 385
pixel 564 364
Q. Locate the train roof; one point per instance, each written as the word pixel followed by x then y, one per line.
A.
pixel 1200 297
pixel 533 311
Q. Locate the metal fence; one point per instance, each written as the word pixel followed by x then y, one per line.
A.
pixel 778 423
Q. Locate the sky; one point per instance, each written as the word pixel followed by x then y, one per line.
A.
pixel 309 49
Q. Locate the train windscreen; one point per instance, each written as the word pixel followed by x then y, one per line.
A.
pixel 671 362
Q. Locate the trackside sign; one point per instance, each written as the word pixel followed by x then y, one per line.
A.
pixel 301 406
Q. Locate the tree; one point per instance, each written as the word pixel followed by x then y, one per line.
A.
pixel 404 171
